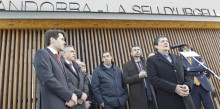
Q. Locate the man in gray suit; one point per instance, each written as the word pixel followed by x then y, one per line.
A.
pixel 79 81
pixel 54 85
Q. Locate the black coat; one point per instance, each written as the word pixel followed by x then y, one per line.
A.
pixel 164 77
pixel 108 87
pixel 137 93
pixel 79 81
pixel 53 82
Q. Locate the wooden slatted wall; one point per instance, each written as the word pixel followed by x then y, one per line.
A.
pixel 18 83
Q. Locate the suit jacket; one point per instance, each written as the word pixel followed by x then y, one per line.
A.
pixel 137 93
pixel 197 70
pixel 164 77
pixel 79 81
pixel 53 82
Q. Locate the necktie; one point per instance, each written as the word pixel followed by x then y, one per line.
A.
pixel 71 66
pixel 195 78
pixel 58 57
pixel 140 69
pixel 145 83
pixel 168 58
pixel 190 60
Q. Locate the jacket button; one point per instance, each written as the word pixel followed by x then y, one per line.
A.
pixel 174 70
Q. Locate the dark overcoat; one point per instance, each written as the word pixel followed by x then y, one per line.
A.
pixel 164 76
pixel 79 81
pixel 54 85
pixel 137 93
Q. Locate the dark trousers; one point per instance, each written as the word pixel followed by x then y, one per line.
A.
pixel 200 94
pixel 109 107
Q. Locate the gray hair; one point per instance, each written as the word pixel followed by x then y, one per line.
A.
pixel 65 49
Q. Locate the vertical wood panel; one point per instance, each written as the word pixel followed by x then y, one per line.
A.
pixel 24 100
pixel 34 74
pixel 6 74
pixel 29 73
pixel 2 66
pixel 18 81
pixel 93 50
pixel 11 70
pixel 20 71
pixel 16 64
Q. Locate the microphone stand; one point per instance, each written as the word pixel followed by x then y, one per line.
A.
pixel 207 68
pixel 213 88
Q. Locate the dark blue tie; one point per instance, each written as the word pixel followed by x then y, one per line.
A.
pixel 168 58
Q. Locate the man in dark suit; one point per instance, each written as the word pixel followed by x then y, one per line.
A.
pixel 172 83
pixel 141 92
pixel 80 83
pixel 55 90
pixel 201 87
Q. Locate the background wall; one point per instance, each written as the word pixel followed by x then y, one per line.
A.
pixel 18 83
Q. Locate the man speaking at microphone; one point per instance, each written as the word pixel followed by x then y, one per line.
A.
pixel 172 83
pixel 201 87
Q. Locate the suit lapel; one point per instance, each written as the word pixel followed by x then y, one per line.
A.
pixel 174 61
pixel 76 69
pixel 163 58
pixel 142 62
pixel 186 62
pixel 58 62
pixel 53 55
pixel 69 68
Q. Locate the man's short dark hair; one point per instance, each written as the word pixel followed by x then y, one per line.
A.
pixel 107 52
pixel 156 40
pixel 133 47
pixel 54 34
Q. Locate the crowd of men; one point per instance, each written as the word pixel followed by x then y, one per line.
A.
pixel 163 81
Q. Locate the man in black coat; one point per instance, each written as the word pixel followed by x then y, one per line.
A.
pixel 80 83
pixel 107 84
pixel 141 92
pixel 55 88
pixel 172 83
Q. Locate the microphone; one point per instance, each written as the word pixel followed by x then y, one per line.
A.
pixel 177 46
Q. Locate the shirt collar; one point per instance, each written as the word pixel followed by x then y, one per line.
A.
pixel 53 50
pixel 67 62
pixel 137 60
pixel 165 55
pixel 106 66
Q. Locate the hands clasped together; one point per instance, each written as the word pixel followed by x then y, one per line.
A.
pixel 74 101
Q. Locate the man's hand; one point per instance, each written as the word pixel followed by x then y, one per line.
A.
pixel 70 103
pixel 74 98
pixel 102 105
pixel 80 101
pixel 142 74
pixel 182 90
pixel 87 104
pixel 83 97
